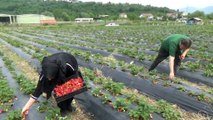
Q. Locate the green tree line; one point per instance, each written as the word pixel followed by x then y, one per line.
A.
pixel 70 10
pixel 63 10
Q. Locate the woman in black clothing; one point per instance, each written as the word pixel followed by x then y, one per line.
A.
pixel 55 69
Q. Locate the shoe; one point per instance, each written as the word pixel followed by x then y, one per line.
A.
pixel 63 113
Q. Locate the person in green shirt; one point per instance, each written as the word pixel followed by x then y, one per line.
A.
pixel 172 46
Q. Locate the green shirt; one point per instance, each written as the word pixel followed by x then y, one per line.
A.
pixel 171 43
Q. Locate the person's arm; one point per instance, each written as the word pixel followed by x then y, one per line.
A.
pixel 171 67
pixel 34 96
pixel 184 54
pixel 28 105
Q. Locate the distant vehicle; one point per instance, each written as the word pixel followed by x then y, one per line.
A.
pixel 84 20
pixel 194 21
pixel 112 24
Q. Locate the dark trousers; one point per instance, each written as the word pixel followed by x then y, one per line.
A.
pixel 65 105
pixel 162 54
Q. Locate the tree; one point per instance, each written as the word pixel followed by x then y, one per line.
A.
pixel 73 8
pixel 47 13
pixel 210 16
pixel 65 16
pixel 197 13
pixel 133 16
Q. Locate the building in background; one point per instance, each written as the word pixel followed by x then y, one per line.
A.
pixel 84 20
pixel 26 19
pixel 148 16
pixel 172 15
pixel 123 15
pixel 7 19
pixel 195 20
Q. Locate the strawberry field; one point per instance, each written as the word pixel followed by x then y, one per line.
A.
pixel 114 62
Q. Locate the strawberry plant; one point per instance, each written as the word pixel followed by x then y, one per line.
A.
pixel 8 63
pixel 54 114
pixel 114 88
pixel 43 107
pixel 203 97
pixel 182 89
pixel 98 80
pixel 4 107
pixel 132 98
pixel 26 85
pixel 192 94
pixel 121 104
pixel 135 69
pixel 106 99
pixel 142 112
pixel 88 74
pixel 167 111
pixel 208 72
pixel 97 92
pixel 141 57
pixel 14 115
pixel 6 94
pixel 166 84
pixel 193 66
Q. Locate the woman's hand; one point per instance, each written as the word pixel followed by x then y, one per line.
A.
pixel 27 106
pixel 25 111
pixel 171 76
pixel 182 57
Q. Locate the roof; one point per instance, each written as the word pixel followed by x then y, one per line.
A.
pixel 5 15
pixel 196 18
pixel 83 18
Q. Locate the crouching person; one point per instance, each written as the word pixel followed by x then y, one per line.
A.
pixel 55 69
pixel 176 47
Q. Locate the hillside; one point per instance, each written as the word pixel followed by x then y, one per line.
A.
pixel 206 10
pixel 70 10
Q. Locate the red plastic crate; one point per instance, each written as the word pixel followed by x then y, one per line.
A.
pixel 74 85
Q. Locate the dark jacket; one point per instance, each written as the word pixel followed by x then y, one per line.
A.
pixel 59 65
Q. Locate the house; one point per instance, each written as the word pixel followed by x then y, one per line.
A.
pixel 35 19
pixel 145 15
pixel 27 19
pixel 159 18
pixel 172 15
pixel 123 15
pixel 103 16
pixel 7 19
pixel 84 20
pixel 195 21
pixel 148 16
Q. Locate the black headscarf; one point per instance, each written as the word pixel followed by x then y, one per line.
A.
pixel 50 70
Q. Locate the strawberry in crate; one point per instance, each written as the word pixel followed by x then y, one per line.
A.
pixel 69 87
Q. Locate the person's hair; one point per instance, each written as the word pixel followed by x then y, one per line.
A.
pixel 186 42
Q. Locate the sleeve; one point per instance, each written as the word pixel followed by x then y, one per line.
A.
pixel 172 49
pixel 38 90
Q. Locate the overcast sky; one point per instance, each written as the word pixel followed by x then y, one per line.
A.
pixel 173 4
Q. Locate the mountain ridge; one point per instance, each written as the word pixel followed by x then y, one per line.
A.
pixel 206 10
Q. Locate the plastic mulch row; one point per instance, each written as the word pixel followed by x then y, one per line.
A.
pixel 89 103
